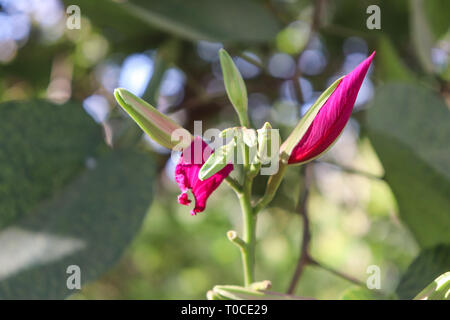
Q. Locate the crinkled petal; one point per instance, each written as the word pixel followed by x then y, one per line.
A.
pixel 186 175
pixel 332 117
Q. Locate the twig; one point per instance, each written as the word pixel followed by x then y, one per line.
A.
pixel 252 60
pixel 305 258
pixel 318 9
pixel 337 273
pixel 351 170
pixel 302 209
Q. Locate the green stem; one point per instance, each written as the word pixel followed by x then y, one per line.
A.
pixel 249 225
pixel 234 184
pixel 272 187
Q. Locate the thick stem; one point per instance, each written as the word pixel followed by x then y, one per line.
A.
pixel 249 237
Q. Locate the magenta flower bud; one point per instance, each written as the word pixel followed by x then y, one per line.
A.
pixel 332 117
pixel 186 175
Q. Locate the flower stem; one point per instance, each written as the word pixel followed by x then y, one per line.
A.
pixel 271 188
pixel 249 226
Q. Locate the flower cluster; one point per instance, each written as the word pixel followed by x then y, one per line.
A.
pixel 313 136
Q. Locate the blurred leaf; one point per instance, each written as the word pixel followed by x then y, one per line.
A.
pixel 88 224
pixel 33 64
pixel 394 18
pixel 166 55
pixel 358 293
pixel 294 38
pixel 214 20
pixel 42 147
pixel 439 289
pixel 235 86
pixel 409 127
pixel 390 65
pixel 115 22
pixel 438 16
pixel 421 35
pixel 424 269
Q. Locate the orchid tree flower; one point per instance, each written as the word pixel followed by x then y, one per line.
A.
pixel 195 151
pixel 201 169
pixel 187 175
pixel 326 119
pixel 319 128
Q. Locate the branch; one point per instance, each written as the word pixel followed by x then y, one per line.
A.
pixel 337 273
pixel 304 257
pixel 351 170
pixel 302 209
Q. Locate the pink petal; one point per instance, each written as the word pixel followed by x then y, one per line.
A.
pixel 332 117
pixel 186 175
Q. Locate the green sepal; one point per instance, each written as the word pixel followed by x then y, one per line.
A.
pixel 157 125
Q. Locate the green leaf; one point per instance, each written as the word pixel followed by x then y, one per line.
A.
pixel 294 38
pixel 218 160
pixel 421 35
pixel 439 289
pixel 110 17
pixel 409 127
pixel 437 12
pixel 213 20
pixel 299 131
pixel 43 146
pixel 157 125
pixel 166 55
pixel 358 293
pixel 424 269
pixel 88 224
pixel 389 64
pixel 235 86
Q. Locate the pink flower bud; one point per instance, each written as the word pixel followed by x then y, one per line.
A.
pixel 332 117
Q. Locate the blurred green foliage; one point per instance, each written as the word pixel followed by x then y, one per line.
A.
pixel 40 152
pixel 409 127
pixel 430 264
pixel 88 224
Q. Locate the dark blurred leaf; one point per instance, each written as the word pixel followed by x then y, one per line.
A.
pixel 438 14
pixel 424 269
pixel 353 16
pixel 42 147
pixel 87 224
pixel 216 20
pixel 33 64
pixel 421 34
pixel 390 66
pixel 409 127
pixel 116 23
